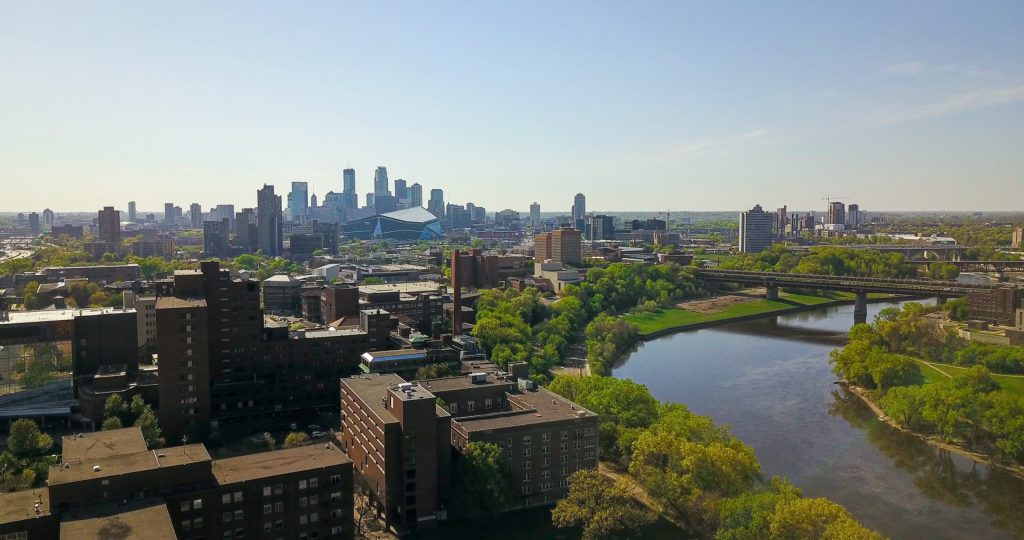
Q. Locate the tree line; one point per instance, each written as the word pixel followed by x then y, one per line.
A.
pixel 969 408
pixel 697 474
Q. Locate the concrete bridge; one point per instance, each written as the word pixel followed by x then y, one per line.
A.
pixel 860 286
pixel 982 266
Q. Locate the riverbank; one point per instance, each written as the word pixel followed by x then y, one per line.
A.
pixel 699 314
pixel 1015 470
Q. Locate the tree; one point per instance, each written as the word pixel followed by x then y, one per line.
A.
pixel 26 440
pixel 114 407
pixel 37 374
pixel 295 438
pixel 112 422
pixel 798 519
pixel 32 301
pixel 603 508
pixel 483 481
pixel 749 515
pixel 147 422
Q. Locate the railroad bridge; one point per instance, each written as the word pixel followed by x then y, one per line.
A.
pixel 860 286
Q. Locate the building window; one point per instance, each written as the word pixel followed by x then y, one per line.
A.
pixel 238 496
pixel 335 479
pixel 470 405
pixel 303 519
pixel 545 437
pixel 565 471
pixel 453 408
pixel 526 464
pixel 313 483
pixel 266 491
pixel 278 489
pixel 526 452
pixel 267 509
pixel 565 435
pixel 563 447
pixel 545 450
pixel 545 474
pixel 227 517
pixel 527 440
pixel 279 506
pixel 225 498
pixel 197 523
pixel 526 489
pixel 527 476
pixel 302 502
pixel 186 506
pixel 488 403
pixel 186 524
pixel 313 500
pixel 545 462
pixel 335 496
pixel 238 515
pixel 302 484
pixel 279 524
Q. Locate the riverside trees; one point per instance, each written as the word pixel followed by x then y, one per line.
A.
pixel 697 473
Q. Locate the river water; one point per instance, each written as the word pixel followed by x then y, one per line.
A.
pixel 771 381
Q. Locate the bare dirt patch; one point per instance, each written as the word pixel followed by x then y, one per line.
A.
pixel 707 306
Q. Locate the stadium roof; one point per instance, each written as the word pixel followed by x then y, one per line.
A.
pixel 416 214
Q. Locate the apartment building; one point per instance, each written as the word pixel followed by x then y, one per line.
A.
pixel 109 482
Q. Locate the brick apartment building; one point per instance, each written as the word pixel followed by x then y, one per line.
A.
pixel 109 485
pixel 401 442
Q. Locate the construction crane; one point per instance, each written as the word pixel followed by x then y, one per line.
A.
pixel 829 198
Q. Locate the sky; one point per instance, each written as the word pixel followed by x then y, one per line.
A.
pixel 643 105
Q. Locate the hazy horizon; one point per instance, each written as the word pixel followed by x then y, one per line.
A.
pixel 667 105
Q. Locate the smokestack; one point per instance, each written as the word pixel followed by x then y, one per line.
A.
pixel 457 296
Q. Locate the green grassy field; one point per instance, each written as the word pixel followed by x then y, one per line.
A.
pixel 661 319
pixel 937 372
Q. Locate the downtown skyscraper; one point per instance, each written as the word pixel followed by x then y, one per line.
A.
pixel 298 201
pixel 380 182
pixel 350 200
pixel 268 221
pixel 415 195
pixel 579 212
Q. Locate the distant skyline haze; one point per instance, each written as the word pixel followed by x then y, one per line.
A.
pixel 640 105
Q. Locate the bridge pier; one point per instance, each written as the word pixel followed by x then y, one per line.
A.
pixel 771 293
pixel 860 308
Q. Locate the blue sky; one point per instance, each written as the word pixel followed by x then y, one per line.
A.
pixel 639 105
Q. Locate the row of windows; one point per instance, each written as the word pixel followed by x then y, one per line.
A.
pixel 189 524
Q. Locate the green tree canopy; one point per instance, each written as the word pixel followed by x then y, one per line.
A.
pixel 482 481
pixel 604 509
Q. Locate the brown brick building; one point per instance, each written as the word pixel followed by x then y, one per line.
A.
pixel 109 483
pixel 401 442
pixel 561 245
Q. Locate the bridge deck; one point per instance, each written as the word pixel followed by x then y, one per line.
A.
pixel 845 283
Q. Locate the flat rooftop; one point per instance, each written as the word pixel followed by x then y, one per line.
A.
pixel 278 462
pixel 416 287
pixel 529 407
pixel 147 519
pixel 399 354
pixel 53 315
pixel 370 388
pixel 19 505
pixel 128 463
pixel 102 444
pixel 170 302
pixel 462 382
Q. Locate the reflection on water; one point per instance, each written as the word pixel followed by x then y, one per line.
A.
pixel 770 380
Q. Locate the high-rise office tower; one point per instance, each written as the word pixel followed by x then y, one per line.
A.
pixel 132 213
pixel 781 219
pixel 853 217
pixel 110 227
pixel 534 214
pixel 401 191
pixel 436 203
pixel 33 223
pixel 216 240
pixel 169 213
pixel 600 227
pixel 21 219
pixel 579 211
pixel 836 213
pixel 416 195
pixel 348 180
pixel 312 201
pixel 380 182
pixel 298 201
pixel 349 198
pixel 47 220
pixel 195 215
pixel 268 221
pixel 369 200
pixel 755 230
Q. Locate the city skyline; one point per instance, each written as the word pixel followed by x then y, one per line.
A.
pixel 700 103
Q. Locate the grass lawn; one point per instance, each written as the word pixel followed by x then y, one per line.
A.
pixel 660 319
pixel 934 372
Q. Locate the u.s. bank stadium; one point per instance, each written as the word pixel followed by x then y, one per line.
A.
pixel 410 224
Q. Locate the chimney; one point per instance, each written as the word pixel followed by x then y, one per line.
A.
pixel 457 290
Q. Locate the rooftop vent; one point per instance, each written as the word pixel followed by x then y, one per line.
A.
pixel 478 378
pixel 95 468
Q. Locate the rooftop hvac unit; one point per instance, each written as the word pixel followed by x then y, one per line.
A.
pixel 478 378
pixel 527 384
pixel 405 387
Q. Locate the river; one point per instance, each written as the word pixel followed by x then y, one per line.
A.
pixel 771 381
